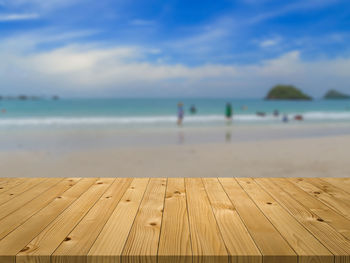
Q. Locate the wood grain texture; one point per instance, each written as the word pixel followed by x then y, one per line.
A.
pixel 114 220
pixel 85 233
pixel 272 245
pixel 325 213
pixel 142 243
pixel 207 242
pixel 15 242
pixel 23 197
pixel 327 235
pixel 57 231
pixel 308 248
pixel 8 183
pixel 239 243
pixel 325 195
pixel 175 241
pixel 342 183
pixel 18 189
pixel 337 193
pixel 3 180
pixel 16 218
pixel 110 243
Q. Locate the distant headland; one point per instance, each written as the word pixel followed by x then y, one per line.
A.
pixel 286 92
pixel 27 97
pixel 335 95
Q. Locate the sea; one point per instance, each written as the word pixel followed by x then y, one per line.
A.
pixel 162 112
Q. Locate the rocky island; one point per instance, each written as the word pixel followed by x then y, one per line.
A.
pixel 335 95
pixel 286 92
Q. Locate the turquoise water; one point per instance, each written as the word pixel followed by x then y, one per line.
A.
pixel 162 112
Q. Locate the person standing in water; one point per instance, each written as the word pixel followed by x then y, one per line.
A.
pixel 228 115
pixel 180 113
pixel 229 111
pixel 193 109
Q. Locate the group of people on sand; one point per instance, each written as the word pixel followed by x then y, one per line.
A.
pixel 193 110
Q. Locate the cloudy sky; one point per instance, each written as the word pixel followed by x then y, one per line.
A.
pixel 173 48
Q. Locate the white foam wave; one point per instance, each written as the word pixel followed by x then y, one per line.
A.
pixel 149 120
pixel 327 115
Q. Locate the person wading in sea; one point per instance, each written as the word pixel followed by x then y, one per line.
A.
pixel 228 112
pixel 180 113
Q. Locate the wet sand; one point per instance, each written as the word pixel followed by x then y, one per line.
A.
pixel 296 157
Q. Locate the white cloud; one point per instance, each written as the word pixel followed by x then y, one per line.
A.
pixel 15 10
pixel 15 17
pixel 270 42
pixel 89 70
pixel 205 39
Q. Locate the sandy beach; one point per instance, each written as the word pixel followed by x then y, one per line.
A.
pixel 295 157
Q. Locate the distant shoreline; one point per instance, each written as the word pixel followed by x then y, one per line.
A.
pixel 29 97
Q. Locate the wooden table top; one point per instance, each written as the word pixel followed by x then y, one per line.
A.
pixel 98 220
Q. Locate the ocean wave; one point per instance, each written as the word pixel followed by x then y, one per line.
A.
pixel 149 120
pixel 327 115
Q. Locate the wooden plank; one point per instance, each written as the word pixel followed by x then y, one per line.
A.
pixel 307 247
pixel 335 192
pixel 12 221
pixel 9 183
pixel 110 243
pixel 207 242
pixel 15 242
pixel 142 243
pixel 44 244
pixel 327 235
pixel 20 200
pixel 324 195
pixel 238 241
pixel 272 245
pixel 329 188
pixel 342 183
pixel 175 241
pixel 325 213
pixel 18 190
pixel 85 233
pixel 4 180
pixel 175 220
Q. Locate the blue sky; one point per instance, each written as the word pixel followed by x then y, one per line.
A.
pixel 173 48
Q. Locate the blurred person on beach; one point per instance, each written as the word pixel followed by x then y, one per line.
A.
pixel 299 117
pixel 228 115
pixel 244 107
pixel 193 109
pixel 285 118
pixel 180 113
pixel 229 112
